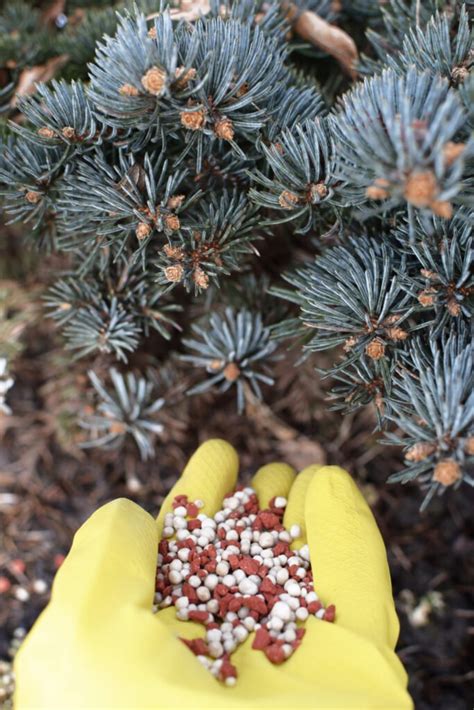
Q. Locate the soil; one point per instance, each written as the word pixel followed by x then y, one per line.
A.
pixel 46 492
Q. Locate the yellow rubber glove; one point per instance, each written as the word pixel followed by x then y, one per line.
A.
pixel 98 645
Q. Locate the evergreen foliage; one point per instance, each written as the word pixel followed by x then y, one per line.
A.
pixel 217 174
pixel 433 407
pixel 231 348
pixel 127 410
pixel 393 137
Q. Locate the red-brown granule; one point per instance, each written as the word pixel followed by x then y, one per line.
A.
pixel 236 574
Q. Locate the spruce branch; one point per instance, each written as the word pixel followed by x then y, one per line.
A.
pixel 440 278
pixel 352 296
pixel 391 136
pixel 60 113
pixel 397 19
pixel 433 407
pixel 196 130
pixel 300 179
pixel 234 349
pixel 364 382
pixel 28 174
pixel 292 105
pixel 119 196
pixel 221 232
pixel 133 71
pixel 104 327
pixel 21 43
pixel 214 83
pixel 137 297
pixel 438 47
pixel 127 410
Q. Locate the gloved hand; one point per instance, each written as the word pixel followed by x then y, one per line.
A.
pixel 98 645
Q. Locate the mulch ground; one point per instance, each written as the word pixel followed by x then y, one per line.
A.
pixel 47 492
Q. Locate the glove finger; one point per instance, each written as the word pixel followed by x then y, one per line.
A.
pixel 272 480
pixel 295 510
pixel 349 558
pixel 112 561
pixel 210 473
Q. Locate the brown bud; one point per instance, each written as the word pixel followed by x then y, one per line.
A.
pixel 397 333
pixel 420 451
pixel 193 120
pixel 469 446
pixel 447 472
pixel 421 188
pixel 427 297
pixel 459 74
pixel 216 365
pixel 33 197
pixel 317 191
pixel 375 349
pixel 184 76
pixel 379 190
pixel 454 308
pixel 154 81
pixel 231 372
pixel 288 200
pixel 117 428
pixel 243 89
pixel 349 343
pixel 68 132
pixel 142 231
pixel 442 208
pixel 224 128
pixel 428 274
pixel 175 201
pixel 65 306
pixel 452 151
pixel 46 132
pixel 390 320
pixel 174 273
pixel 128 90
pixel 152 33
pixel 376 193
pixel 172 222
pixel 200 277
pixel 173 252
